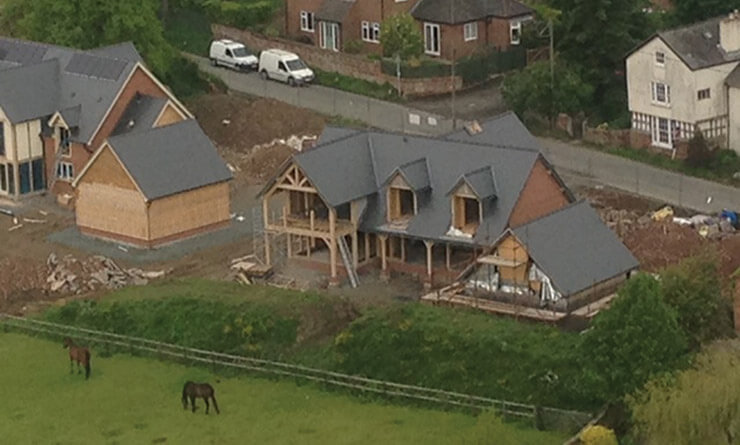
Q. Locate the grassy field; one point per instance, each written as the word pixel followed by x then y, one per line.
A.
pixel 137 401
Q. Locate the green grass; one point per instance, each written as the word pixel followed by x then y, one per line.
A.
pixel 357 86
pixel 188 31
pixel 137 401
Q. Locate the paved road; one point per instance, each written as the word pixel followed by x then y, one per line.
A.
pixel 614 171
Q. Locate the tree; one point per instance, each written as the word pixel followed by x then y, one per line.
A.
pixel 530 91
pixel 594 36
pixel 701 405
pixel 399 34
pixel 693 288
pixel 634 340
pixel 692 11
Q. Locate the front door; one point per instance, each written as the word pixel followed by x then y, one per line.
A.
pixel 431 39
pixel 330 36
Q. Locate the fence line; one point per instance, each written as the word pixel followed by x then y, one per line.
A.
pixel 507 408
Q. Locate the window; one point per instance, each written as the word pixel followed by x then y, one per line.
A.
pixel 307 21
pixel 281 66
pixel 515 32
pixel 431 39
pixel 402 203
pixel 37 171
pixel 661 93
pixel 24 173
pixel 659 58
pixel 228 53
pixel 2 139
pixel 65 171
pixel 329 35
pixel 470 31
pixel 467 213
pixel 703 94
pixel 64 141
pixel 3 179
pixel 371 32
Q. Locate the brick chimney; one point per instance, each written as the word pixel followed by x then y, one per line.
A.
pixel 729 32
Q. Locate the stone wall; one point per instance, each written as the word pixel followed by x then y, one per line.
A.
pixel 347 64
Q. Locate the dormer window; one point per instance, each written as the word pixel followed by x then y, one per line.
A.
pixel 467 213
pixel 468 196
pixel 64 141
pixel 401 203
pixel 405 184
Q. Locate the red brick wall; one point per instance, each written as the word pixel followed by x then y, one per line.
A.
pixel 499 33
pixel 293 10
pixel 540 196
pixel 358 66
pixel 453 44
pixel 78 157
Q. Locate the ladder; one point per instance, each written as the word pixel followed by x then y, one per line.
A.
pixel 351 272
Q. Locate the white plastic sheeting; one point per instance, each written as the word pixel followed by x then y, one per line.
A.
pixel 548 291
pixel 453 231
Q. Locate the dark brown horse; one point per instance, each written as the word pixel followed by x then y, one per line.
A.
pixel 78 354
pixel 193 390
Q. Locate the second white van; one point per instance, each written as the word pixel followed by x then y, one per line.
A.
pixel 284 66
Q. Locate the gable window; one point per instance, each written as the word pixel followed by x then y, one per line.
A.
pixel 470 31
pixel 65 171
pixel 661 93
pixel 371 32
pixel 659 58
pixel 703 94
pixel 467 213
pixel 307 21
pixel 64 142
pixel 515 33
pixel 401 203
pixel 2 139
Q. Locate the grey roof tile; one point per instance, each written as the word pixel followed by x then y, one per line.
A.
pixel 463 11
pixel 574 248
pixel 503 130
pixel 140 114
pixel 122 51
pixel 30 91
pixel 71 116
pixel 415 173
pixel 334 10
pixel 171 159
pixel 481 181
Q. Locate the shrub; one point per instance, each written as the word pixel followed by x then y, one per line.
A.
pixel 699 152
pixel 400 34
pixel 352 47
pixel 239 14
pixel 598 435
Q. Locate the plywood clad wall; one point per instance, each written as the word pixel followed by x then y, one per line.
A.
pixel 111 209
pixel 510 249
pixel 189 210
pixel 168 116
pixel 107 170
pixel 27 141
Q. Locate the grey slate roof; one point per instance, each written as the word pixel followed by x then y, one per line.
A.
pixel 171 159
pixel 574 248
pixel 462 11
pixel 415 173
pixel 91 82
pixel 357 165
pixel 29 92
pixel 481 181
pixel 140 114
pixel 503 130
pixel 332 133
pixel 334 10
pixel 71 116
pixel 697 44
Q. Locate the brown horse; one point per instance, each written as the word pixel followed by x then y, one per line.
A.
pixel 78 354
pixel 193 390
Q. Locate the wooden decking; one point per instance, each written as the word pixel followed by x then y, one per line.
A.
pixel 308 226
pixel 450 296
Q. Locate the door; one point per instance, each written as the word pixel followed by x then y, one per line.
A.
pixel 431 39
pixel 330 36
pixel 282 72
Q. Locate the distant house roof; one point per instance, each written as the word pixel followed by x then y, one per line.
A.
pixel 503 130
pixel 462 11
pixel 140 114
pixel 697 45
pixel 86 80
pixel 358 165
pixel 167 160
pixel 562 244
pixel 334 10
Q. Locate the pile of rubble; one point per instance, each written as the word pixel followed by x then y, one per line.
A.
pixel 623 221
pixel 70 275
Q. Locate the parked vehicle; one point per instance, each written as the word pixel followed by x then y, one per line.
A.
pixel 232 54
pixel 285 67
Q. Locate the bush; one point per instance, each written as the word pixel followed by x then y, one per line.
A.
pixel 383 91
pixel 400 34
pixel 352 46
pixel 699 152
pixel 598 435
pixel 240 14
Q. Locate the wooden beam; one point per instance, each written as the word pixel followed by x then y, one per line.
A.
pixel 367 246
pixel 266 220
pixel 355 250
pixel 403 249
pixel 296 188
pixel 289 243
pixel 429 245
pixel 383 239
pixel 333 242
pixel 448 254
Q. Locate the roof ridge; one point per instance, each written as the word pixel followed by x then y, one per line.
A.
pixel 32 65
pixel 691 25
pixel 154 129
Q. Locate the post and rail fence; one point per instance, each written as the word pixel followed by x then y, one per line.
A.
pixel 564 419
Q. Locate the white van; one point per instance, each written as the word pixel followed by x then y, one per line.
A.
pixel 232 54
pixel 285 67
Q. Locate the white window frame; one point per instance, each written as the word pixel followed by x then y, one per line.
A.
pixel 704 94
pixel 307 21
pixel 470 31
pixel 429 44
pixel 65 171
pixel 655 94
pixel 65 147
pixel 375 32
pixel 515 38
pixel 370 31
pixel 660 58
pixel 323 28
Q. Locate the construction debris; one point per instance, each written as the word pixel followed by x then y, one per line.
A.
pixel 15 227
pixel 249 268
pixel 34 221
pixel 664 213
pixel 69 275
pixel 7 212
